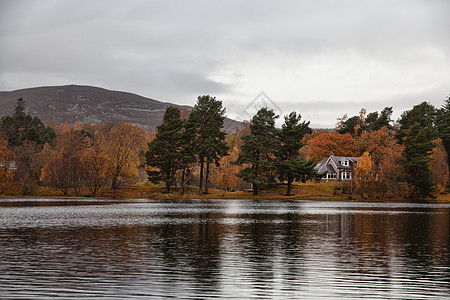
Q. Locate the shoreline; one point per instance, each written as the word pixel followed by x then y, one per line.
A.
pixel 327 191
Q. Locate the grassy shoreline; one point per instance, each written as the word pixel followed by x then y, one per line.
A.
pixel 327 191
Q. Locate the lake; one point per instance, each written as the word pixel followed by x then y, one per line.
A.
pixel 206 249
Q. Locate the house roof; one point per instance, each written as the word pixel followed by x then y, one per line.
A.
pixel 334 163
pixel 338 160
pixel 321 166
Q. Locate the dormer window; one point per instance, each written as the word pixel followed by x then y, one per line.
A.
pixel 344 162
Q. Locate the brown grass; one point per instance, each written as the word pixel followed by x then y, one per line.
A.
pixel 328 191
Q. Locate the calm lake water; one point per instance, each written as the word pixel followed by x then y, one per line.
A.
pixel 223 249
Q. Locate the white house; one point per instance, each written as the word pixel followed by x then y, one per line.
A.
pixel 336 168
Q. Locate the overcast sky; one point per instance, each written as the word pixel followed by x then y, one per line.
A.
pixel 321 58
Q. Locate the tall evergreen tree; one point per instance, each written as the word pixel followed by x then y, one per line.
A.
pixel 207 118
pixel 186 154
pixel 349 126
pixel 424 114
pixel 418 147
pixel 443 126
pixel 21 127
pixel 164 151
pixel 375 121
pixel 259 149
pixel 289 165
pixel 416 133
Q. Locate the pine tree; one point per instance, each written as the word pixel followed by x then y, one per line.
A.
pixel 289 165
pixel 418 147
pixel 164 151
pixel 259 149
pixel 424 114
pixel 186 154
pixel 207 118
pixel 443 126
pixel 375 121
pixel 21 127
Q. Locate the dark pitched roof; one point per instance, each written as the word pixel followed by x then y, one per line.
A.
pixel 324 165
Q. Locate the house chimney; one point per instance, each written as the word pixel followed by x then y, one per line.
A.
pixel 331 154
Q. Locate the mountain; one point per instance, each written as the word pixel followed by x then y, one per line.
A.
pixel 88 104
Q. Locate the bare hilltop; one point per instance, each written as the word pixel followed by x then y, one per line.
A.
pixel 89 104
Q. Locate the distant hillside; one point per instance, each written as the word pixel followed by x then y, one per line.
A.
pixel 72 103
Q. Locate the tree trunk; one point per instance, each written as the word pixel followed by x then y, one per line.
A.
pixel 182 181
pixel 200 187
pixel 255 189
pixel 289 187
pixel 114 183
pixel 167 187
pixel 115 179
pixel 207 177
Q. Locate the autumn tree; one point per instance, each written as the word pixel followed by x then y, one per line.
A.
pixel 365 176
pixel 6 157
pixel 64 165
pixel 61 168
pixel 92 165
pixel 258 150
pixel 386 155
pixel 439 167
pixel 207 118
pixel 289 165
pixel 29 165
pixel 164 151
pixel 226 177
pixel 322 145
pixel 123 147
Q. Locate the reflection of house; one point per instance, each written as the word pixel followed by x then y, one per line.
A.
pixel 336 167
pixel 10 165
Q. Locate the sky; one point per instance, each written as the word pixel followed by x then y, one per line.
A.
pixel 320 58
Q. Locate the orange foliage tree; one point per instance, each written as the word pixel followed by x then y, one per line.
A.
pixel 64 165
pixel 439 166
pixel 322 145
pixel 226 178
pixel 388 175
pixel 29 165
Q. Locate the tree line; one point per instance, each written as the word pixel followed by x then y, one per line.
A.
pixel 267 153
pixel 67 157
pixel 404 158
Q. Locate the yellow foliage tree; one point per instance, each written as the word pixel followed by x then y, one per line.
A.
pixel 123 146
pixel 365 176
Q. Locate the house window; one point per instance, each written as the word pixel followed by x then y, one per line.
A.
pixel 331 175
pixel 346 176
pixel 344 162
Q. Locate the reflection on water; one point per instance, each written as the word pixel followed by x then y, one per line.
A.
pixel 224 249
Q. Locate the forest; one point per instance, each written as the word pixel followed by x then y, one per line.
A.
pixel 405 158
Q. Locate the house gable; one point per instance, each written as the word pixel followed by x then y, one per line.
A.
pixel 336 167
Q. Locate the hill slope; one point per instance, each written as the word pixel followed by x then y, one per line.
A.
pixel 72 103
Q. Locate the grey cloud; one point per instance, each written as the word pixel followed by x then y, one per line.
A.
pixel 169 49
